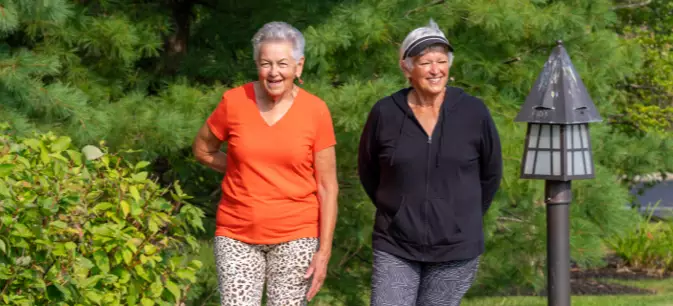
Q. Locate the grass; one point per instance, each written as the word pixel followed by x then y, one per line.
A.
pixel 664 297
pixel 208 295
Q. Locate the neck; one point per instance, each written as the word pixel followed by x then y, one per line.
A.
pixel 273 100
pixel 425 99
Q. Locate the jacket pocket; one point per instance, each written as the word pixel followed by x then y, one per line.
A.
pixel 406 225
pixel 444 227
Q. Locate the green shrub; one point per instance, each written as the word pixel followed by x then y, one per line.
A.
pixel 75 231
pixel 649 246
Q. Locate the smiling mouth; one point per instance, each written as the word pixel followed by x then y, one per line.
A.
pixel 434 80
pixel 274 83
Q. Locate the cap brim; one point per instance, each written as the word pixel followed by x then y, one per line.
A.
pixel 421 44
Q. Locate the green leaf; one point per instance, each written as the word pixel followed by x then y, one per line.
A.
pixel 44 154
pixel 142 164
pixel 126 208
pixel 21 230
pixel 6 169
pixel 173 289
pixel 3 246
pixel 94 296
pixel 103 206
pixel 140 270
pixel 146 302
pixel 60 144
pixel 140 176
pixel 128 256
pixel 4 191
pixel 135 193
pixel 156 289
pixel 102 261
pixel 58 224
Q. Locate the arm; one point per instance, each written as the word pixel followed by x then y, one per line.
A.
pixel 368 167
pixel 490 162
pixel 206 148
pixel 328 192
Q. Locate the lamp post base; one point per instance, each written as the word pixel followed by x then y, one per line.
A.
pixel 558 196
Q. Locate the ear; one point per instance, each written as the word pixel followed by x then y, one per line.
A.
pixel 300 67
pixel 405 70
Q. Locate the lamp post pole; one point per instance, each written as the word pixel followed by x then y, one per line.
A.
pixel 558 110
pixel 558 196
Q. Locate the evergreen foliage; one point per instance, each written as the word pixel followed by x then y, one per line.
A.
pixel 649 106
pixel 127 73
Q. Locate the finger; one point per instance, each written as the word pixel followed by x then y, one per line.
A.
pixel 309 271
pixel 311 293
pixel 316 284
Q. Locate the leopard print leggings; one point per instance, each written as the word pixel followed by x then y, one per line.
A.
pixel 243 268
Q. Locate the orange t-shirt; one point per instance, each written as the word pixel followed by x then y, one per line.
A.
pixel 269 188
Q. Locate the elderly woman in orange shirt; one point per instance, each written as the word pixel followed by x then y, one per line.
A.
pixel 276 217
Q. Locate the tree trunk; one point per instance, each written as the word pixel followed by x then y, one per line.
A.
pixel 175 45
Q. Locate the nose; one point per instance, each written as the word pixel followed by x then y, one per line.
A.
pixel 434 68
pixel 274 70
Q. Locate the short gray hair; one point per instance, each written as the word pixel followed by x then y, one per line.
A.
pixel 431 29
pixel 279 31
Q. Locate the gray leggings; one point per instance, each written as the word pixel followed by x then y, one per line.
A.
pixel 400 282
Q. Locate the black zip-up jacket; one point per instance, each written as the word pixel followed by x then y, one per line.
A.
pixel 430 191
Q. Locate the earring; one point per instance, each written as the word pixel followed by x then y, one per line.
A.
pixel 300 80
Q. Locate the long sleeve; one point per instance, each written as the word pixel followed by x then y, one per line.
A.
pixel 368 166
pixel 490 162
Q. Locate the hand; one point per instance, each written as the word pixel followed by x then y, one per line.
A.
pixel 318 269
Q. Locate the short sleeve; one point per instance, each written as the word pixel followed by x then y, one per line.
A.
pixel 217 121
pixel 325 137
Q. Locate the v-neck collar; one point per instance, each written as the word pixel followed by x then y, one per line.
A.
pixel 259 112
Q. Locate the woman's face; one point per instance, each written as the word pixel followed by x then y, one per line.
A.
pixel 429 72
pixel 277 68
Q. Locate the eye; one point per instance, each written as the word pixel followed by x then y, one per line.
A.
pixel 283 65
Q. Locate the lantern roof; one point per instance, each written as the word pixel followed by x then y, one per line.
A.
pixel 559 95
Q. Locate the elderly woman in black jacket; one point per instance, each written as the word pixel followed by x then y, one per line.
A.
pixel 430 160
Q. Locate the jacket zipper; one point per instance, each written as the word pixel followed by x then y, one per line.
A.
pixel 425 202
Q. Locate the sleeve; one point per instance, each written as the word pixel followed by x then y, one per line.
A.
pixel 217 121
pixel 368 166
pixel 325 137
pixel 490 162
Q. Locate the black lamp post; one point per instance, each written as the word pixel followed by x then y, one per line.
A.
pixel 558 150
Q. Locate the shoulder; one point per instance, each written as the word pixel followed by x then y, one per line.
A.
pixel 311 102
pixel 239 92
pixel 387 104
pixel 470 103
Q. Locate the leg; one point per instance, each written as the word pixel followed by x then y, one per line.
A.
pixel 445 284
pixel 395 280
pixel 286 265
pixel 240 272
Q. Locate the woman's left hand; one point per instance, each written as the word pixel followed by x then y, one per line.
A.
pixel 318 269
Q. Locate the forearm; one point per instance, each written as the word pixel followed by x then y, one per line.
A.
pixel 214 160
pixel 328 195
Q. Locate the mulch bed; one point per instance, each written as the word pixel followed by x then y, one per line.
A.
pixel 595 281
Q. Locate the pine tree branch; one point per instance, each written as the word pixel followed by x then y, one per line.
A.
pixel 436 2
pixel 512 60
pixel 631 5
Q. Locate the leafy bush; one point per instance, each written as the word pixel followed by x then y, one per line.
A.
pixel 649 246
pixel 89 232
